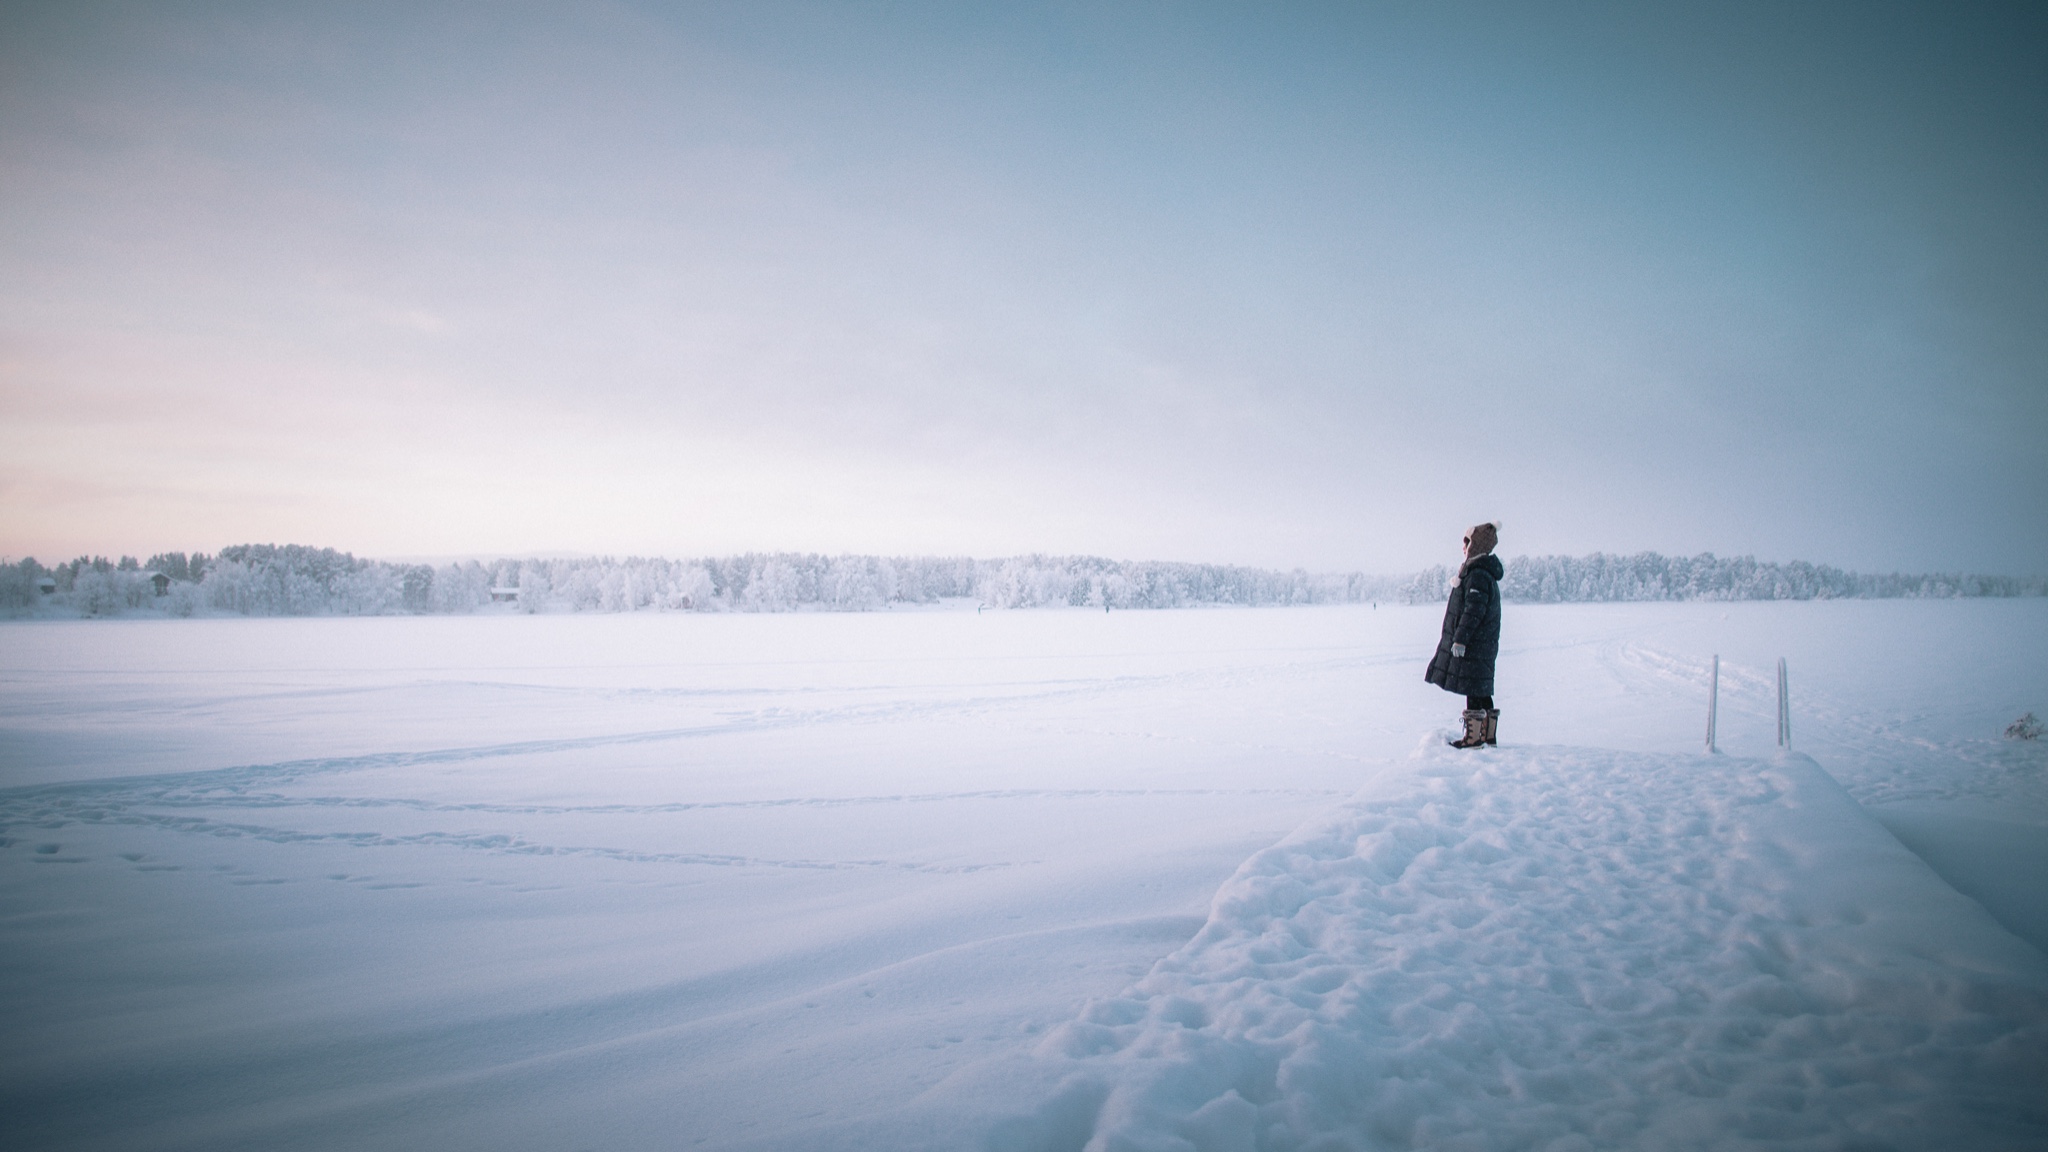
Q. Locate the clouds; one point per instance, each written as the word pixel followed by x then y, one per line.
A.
pixel 1282 287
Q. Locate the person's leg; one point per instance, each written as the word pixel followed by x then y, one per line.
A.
pixel 1475 729
pixel 1490 723
pixel 1492 729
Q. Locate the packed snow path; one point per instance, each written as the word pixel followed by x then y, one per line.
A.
pixel 1555 948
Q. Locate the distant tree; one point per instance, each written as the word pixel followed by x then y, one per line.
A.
pixel 535 588
pixel 417 585
pixel 775 585
pixel 108 593
pixel 177 565
pixel 185 599
pixel 461 587
pixel 18 592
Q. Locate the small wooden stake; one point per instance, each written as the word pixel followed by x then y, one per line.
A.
pixel 1713 701
pixel 1784 708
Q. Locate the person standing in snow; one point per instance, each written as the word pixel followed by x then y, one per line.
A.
pixel 1471 639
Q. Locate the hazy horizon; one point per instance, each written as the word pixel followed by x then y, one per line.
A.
pixel 1314 285
pixel 489 559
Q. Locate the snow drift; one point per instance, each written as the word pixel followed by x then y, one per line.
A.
pixel 1570 948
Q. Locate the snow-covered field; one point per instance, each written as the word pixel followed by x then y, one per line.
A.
pixel 1023 880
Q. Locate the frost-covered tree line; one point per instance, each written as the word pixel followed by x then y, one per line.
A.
pixel 292 580
pixel 1650 576
pixel 295 580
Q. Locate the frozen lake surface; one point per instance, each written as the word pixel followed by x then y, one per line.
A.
pixel 1193 879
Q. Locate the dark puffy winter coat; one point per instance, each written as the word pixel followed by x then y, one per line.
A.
pixel 1472 618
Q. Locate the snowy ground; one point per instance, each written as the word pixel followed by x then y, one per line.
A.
pixel 1022 880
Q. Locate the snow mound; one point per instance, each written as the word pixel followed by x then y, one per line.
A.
pixel 1567 948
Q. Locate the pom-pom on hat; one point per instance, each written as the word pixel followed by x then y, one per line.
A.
pixel 1483 537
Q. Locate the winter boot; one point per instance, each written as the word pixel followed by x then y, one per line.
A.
pixel 1475 729
pixel 1492 730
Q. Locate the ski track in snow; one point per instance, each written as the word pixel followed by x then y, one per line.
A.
pixel 1557 948
pixel 151 801
pixel 54 808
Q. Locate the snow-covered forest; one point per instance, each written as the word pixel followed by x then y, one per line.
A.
pixel 1650 576
pixel 297 580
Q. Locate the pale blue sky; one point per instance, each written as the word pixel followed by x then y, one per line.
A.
pixel 1294 284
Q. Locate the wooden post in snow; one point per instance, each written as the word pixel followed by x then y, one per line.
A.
pixel 1713 701
pixel 1784 708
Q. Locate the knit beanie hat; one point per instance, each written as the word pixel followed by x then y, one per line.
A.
pixel 1484 537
